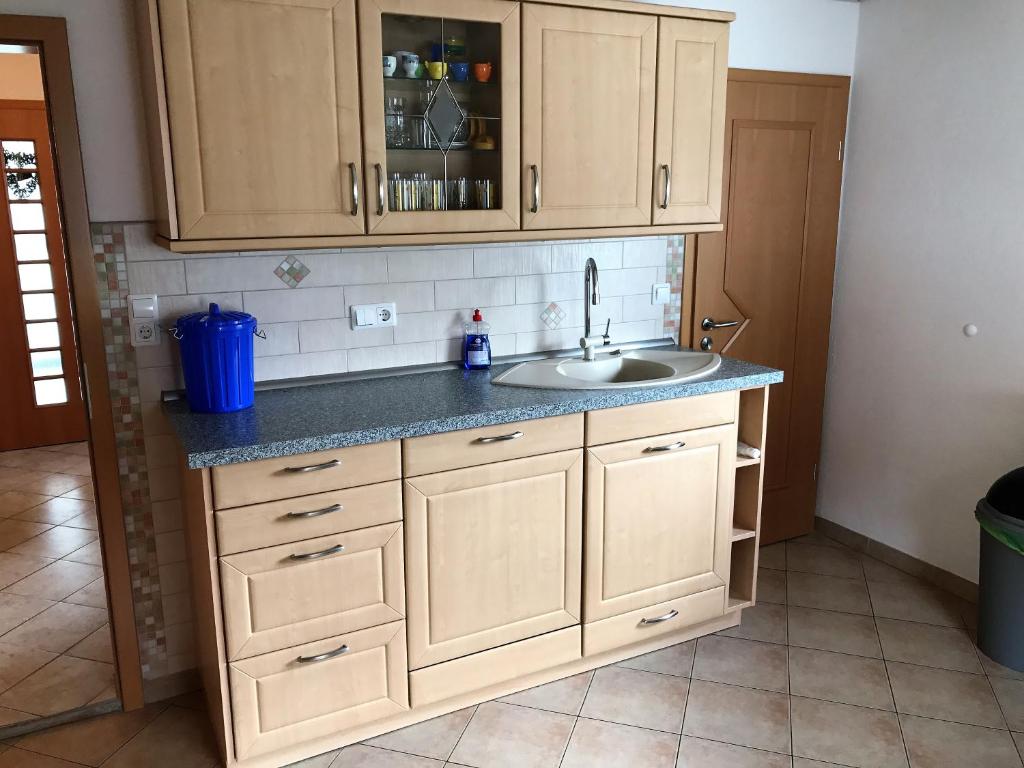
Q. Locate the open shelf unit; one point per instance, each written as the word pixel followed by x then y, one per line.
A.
pixel 746 516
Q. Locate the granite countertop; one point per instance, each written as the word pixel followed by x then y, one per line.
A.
pixel 316 417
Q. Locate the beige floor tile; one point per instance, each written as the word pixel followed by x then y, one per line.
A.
pixel 13 479
pixel 15 502
pixel 803 762
pixel 78 449
pixel 944 695
pixel 326 759
pixel 635 697
pixel 56 580
pixel 91 741
pixel 16 610
pixel 96 646
pixel 1018 739
pixel 824 560
pixel 565 696
pixel 54 484
pixel 764 621
pixel 17 663
pixel 57 628
pixel 596 744
pixel 17 758
pixel 928 645
pixel 434 738
pixel 935 744
pixel 12 716
pixel 913 603
pixel 14 532
pixel 177 738
pixel 65 683
pixel 86 492
pixel 16 567
pixel 742 662
pixel 701 753
pixel 674 660
pixel 771 586
pixel 507 736
pixel 80 465
pixel 192 700
pixel 773 556
pixel 830 631
pixel 743 716
pixel 876 570
pixel 829 593
pixel 358 756
pixel 56 511
pixel 855 736
pixel 86 520
pixel 89 554
pixel 63 463
pixel 820 539
pixel 995 669
pixel 23 459
pixel 1010 695
pixel 94 595
pixel 839 677
pixel 58 541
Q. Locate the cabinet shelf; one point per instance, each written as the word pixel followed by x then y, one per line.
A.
pixel 746 461
pixel 739 534
pixel 736 604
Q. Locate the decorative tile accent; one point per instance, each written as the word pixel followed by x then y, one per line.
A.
pixel 291 271
pixel 112 280
pixel 674 256
pixel 552 316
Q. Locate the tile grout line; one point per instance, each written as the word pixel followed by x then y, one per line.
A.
pixel 888 679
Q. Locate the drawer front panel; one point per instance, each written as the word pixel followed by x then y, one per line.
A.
pixel 235 485
pixel 485 445
pixel 632 421
pixel 278 701
pixel 279 522
pixel 273 600
pixel 645 623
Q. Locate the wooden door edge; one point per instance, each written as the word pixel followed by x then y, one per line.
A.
pixel 688 291
pixel 740 75
pixel 51 35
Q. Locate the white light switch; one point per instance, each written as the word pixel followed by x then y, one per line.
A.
pixel 660 293
pixel 373 315
pixel 142 317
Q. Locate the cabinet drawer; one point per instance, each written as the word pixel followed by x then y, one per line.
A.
pixel 297 593
pixel 630 421
pixel 279 522
pixel 252 482
pixel 278 700
pixel 471 673
pixel 629 628
pixel 484 445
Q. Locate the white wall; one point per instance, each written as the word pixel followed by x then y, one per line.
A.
pixel 920 419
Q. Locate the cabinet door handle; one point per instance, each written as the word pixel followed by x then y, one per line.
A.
pixel 322 553
pixel 668 185
pixel 322 656
pixel 536 189
pixel 662 448
pixel 380 188
pixel 315 467
pixel 316 512
pixel 657 620
pixel 354 175
pixel 499 438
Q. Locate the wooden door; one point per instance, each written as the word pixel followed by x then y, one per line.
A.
pixel 40 388
pixel 451 129
pixel 693 64
pixel 493 554
pixel 772 268
pixel 262 102
pixel 588 117
pixel 659 519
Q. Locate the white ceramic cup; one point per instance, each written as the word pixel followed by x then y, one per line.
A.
pixel 390 65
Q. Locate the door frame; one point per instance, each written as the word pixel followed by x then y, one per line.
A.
pixel 50 35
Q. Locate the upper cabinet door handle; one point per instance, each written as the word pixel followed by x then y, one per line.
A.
pixel 668 185
pixel 500 438
pixel 536 189
pixel 315 467
pixel 355 188
pixel 380 188
pixel 709 324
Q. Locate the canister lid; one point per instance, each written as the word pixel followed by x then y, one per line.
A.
pixel 215 320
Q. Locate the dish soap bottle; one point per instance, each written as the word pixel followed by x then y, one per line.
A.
pixel 476 347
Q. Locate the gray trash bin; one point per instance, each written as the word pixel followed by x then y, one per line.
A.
pixel 1001 576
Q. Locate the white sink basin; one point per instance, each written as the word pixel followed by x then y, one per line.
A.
pixel 637 368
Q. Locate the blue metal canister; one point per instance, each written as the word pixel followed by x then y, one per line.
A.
pixel 217 359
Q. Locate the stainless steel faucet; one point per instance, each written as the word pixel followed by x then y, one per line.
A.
pixel 591 297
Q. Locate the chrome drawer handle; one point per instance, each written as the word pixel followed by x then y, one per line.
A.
pixel 322 656
pixel 667 617
pixel 316 512
pixel 499 438
pixel 662 448
pixel 315 467
pixel 322 553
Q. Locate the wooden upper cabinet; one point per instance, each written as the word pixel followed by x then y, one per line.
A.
pixel 693 65
pixel 442 155
pixel 588 127
pixel 262 106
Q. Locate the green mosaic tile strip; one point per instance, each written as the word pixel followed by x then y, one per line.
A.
pixel 674 257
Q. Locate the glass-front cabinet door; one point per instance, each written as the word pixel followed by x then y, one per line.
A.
pixel 440 89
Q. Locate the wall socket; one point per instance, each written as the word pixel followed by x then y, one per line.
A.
pixel 372 315
pixel 142 320
pixel 660 293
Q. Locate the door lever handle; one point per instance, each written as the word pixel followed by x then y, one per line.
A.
pixel 709 324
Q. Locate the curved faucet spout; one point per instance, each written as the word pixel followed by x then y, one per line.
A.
pixel 591 292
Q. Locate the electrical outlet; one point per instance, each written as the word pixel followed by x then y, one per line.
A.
pixel 142 320
pixel 660 293
pixel 373 315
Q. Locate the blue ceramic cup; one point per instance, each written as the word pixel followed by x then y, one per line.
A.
pixel 460 71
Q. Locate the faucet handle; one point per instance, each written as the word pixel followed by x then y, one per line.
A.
pixel 607 335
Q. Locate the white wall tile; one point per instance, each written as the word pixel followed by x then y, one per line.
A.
pixel 429 264
pixel 282 339
pixel 174 578
pixel 479 292
pixel 534 289
pixel 157 355
pixel 645 252
pixel 170 547
pixel 512 260
pixel 323 335
pixel 628 282
pixel 409 297
pixel 173 307
pixel 238 273
pixel 298 366
pixel 154 422
pixel 163 483
pixel 451 349
pixel 393 356
pixel 448 323
pixel 161 451
pixel 292 304
pixel 167 516
pixel 640 308
pixel 162 277
pixel 153 381
pixel 140 246
pixel 344 268
pixel 641 330
pixel 537 341
pixel 572 257
pixel 528 316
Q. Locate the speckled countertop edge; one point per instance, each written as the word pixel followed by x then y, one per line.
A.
pixel 318 417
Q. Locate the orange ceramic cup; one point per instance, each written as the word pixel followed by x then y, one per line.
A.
pixel 482 71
